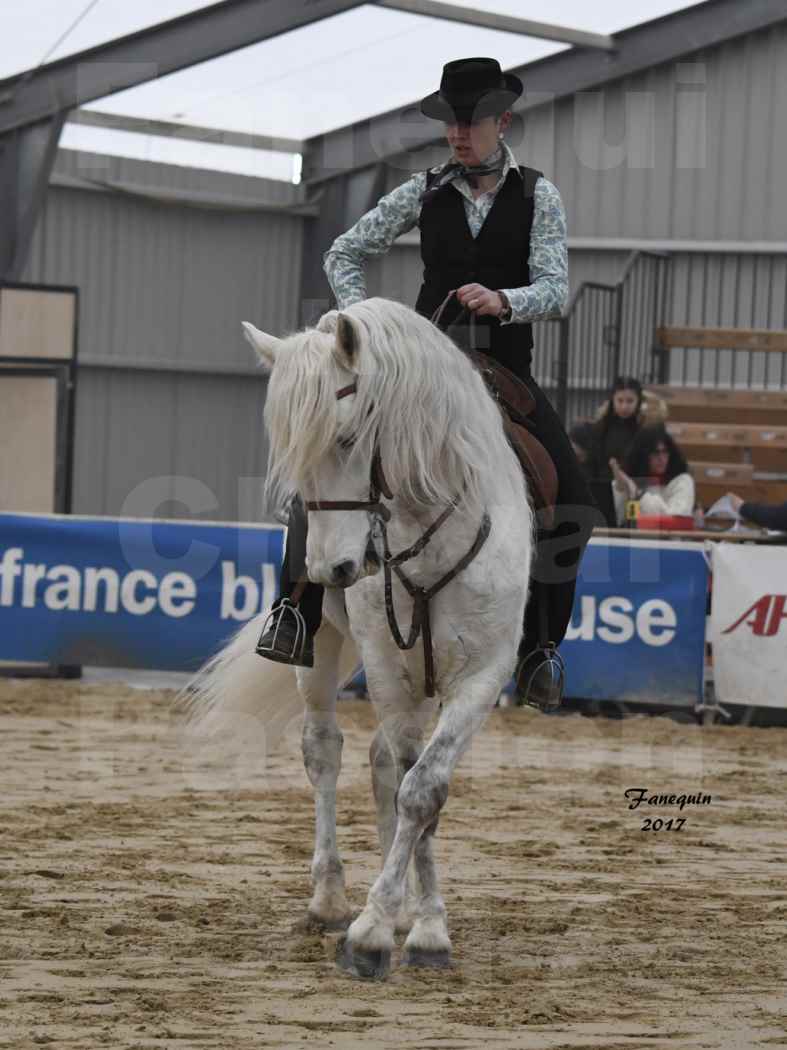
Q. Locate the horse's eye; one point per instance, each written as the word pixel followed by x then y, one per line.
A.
pixel 345 444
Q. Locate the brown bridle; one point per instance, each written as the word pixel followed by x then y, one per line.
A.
pixel 420 624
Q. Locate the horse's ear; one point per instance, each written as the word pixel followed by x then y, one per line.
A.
pixel 328 322
pixel 265 345
pixel 347 342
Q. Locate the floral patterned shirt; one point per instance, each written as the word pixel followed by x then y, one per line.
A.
pixel 399 211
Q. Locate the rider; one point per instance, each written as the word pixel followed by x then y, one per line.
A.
pixel 495 234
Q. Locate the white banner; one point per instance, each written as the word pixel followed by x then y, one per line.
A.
pixel 749 624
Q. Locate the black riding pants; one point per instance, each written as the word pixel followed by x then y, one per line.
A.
pixel 558 553
pixel 558 549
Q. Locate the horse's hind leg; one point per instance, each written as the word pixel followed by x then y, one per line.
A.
pixel 322 756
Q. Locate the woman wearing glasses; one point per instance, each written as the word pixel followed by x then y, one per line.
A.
pixel 656 474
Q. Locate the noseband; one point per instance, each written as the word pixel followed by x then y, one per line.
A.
pixel 420 624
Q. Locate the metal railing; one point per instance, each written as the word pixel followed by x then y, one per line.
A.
pixel 742 289
pixel 606 331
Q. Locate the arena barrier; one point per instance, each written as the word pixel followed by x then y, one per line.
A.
pixel 749 625
pixel 128 592
pixel 638 628
pixel 167 594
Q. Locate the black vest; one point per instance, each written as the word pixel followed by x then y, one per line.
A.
pixel 496 258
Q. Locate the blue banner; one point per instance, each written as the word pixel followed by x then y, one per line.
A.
pixel 638 625
pixel 130 593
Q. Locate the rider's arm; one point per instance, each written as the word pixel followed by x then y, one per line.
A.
pixel 547 293
pixel 373 234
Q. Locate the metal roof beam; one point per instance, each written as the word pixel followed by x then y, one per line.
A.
pixel 505 23
pixel 404 131
pixel 154 52
pixel 26 160
pixel 191 132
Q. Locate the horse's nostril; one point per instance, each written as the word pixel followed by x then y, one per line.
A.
pixel 343 572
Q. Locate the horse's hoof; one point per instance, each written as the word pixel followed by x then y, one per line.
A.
pixel 428 958
pixel 316 924
pixel 360 962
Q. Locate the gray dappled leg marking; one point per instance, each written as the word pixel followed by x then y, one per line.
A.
pixel 322 758
pixel 422 794
pixel 428 943
pixel 388 768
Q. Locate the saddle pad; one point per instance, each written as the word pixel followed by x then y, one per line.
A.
pixel 516 405
pixel 538 467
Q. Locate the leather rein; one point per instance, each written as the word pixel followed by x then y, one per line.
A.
pixel 420 624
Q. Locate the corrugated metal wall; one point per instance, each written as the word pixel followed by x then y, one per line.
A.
pixel 689 151
pixel 167 385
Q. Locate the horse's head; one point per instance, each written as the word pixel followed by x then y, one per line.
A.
pixel 322 441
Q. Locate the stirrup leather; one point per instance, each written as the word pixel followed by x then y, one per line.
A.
pixel 285 612
pixel 551 670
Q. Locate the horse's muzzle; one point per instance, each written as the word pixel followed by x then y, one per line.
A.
pixel 344 574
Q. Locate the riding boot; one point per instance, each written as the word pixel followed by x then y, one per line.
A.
pixel 540 674
pixel 288 633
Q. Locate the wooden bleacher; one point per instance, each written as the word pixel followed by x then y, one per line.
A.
pixel 714 405
pixel 764 447
pixel 735 439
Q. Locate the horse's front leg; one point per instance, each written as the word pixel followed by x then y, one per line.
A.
pixel 322 756
pixel 428 942
pixel 366 951
pixel 396 746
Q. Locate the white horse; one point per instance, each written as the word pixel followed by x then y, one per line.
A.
pixel 414 403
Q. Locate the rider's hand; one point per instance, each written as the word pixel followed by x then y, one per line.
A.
pixel 480 300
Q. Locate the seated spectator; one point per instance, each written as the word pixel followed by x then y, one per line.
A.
pixel 618 422
pixel 767 516
pixel 655 473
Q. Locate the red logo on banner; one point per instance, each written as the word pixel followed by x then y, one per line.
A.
pixel 767 615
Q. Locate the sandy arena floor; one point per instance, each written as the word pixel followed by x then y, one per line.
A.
pixel 151 897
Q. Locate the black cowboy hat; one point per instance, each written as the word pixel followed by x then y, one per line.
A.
pixel 470 89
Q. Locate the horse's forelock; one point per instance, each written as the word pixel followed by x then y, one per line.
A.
pixel 301 411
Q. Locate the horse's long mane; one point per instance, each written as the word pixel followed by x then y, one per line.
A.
pixel 439 430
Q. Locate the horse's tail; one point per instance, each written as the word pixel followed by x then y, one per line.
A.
pixel 241 697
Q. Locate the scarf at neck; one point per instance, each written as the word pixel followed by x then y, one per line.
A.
pixel 454 170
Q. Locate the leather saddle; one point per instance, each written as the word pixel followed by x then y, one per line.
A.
pixel 516 406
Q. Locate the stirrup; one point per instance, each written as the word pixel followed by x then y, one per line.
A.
pixel 288 635
pixel 543 684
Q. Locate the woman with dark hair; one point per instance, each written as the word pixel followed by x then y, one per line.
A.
pixel 617 423
pixel 656 473
pixel 616 426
